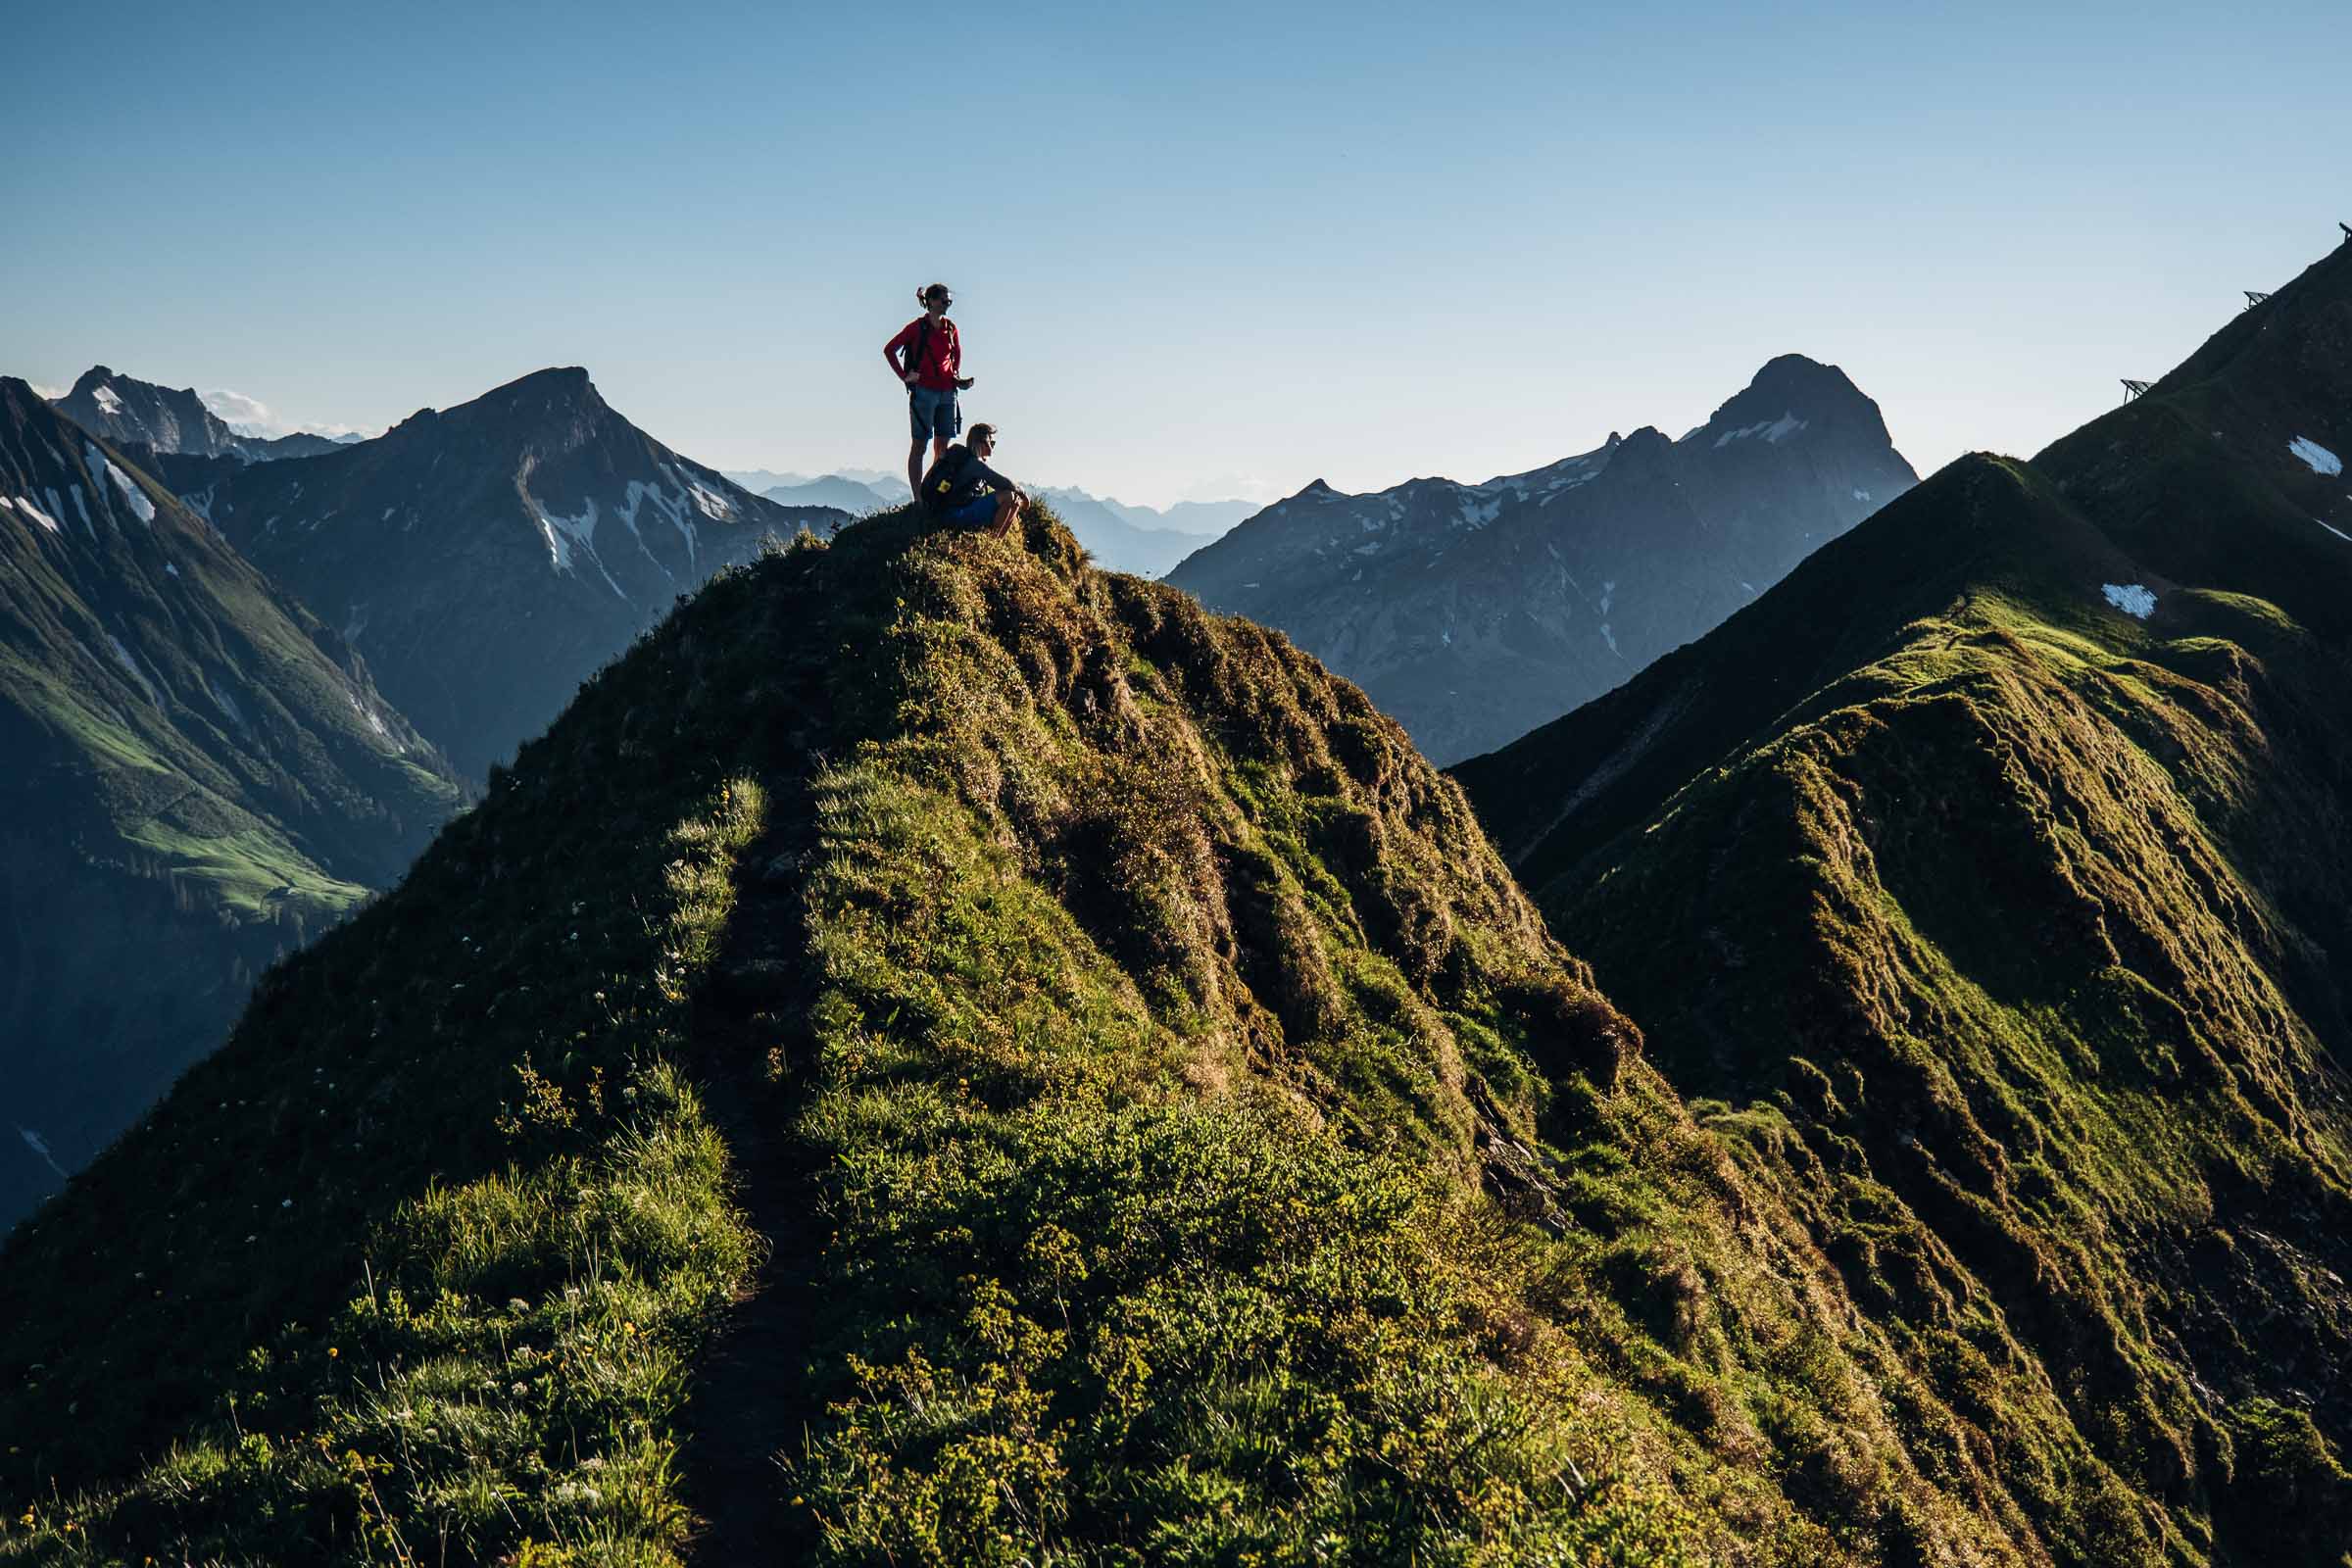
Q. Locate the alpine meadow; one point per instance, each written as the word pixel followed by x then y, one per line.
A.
pixel 1454 980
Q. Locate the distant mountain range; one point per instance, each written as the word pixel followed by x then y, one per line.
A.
pixel 890 488
pixel 855 497
pixel 1144 540
pixel 199 776
pixel 1475 612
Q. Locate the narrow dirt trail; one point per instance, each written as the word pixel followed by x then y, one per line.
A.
pixel 749 1403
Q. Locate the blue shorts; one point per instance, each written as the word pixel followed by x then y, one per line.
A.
pixel 972 514
pixel 934 414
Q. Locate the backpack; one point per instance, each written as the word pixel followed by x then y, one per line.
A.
pixel 950 482
pixel 914 350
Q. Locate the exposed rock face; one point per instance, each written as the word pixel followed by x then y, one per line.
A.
pixel 124 410
pixel 1475 613
pixel 488 558
pixel 127 411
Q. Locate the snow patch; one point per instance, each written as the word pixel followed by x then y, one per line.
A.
pixel 83 507
pixel 1781 428
pixel 1861 495
pixel 675 508
pixel 106 400
pixel 2321 460
pixel 1774 430
pixel 374 723
pixel 132 496
pixel 2333 529
pixel 223 701
pixel 123 655
pixel 169 569
pixel 675 511
pixel 1609 637
pixel 26 506
pixel 1371 549
pixel 33 1142
pixel 563 534
pixel 711 503
pixel 2131 597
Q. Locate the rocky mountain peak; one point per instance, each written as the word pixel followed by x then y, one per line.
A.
pixel 535 515
pixel 1474 613
pixel 1790 396
pixel 122 409
pixel 558 390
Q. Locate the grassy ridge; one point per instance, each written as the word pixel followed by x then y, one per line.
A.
pixel 1194 1151
pixel 2105 1102
pixel 2019 922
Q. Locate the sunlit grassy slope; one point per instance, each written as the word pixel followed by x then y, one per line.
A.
pixel 2009 925
pixel 1054 1073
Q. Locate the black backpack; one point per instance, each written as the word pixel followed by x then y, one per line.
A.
pixel 950 482
pixel 914 353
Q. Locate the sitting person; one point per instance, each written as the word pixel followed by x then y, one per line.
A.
pixel 963 490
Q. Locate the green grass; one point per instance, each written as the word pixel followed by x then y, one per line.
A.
pixel 1195 1149
pixel 2000 933
pixel 249 874
pixel 1984 936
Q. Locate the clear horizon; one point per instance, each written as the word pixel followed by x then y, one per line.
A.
pixel 1210 255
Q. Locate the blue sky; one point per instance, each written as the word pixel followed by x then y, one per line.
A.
pixel 1197 252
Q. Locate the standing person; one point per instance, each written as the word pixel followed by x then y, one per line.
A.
pixel 963 490
pixel 927 355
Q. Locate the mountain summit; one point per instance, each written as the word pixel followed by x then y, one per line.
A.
pixel 532 532
pixel 1474 613
pixel 128 412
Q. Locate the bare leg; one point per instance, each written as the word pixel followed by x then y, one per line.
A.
pixel 939 447
pixel 914 468
pixel 1007 510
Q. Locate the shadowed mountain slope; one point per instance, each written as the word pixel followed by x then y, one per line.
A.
pixel 944 1055
pixel 1475 613
pixel 1995 868
pixel 197 773
pixel 488 557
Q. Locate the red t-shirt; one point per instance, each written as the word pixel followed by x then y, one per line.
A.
pixel 942 354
